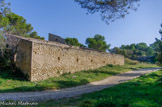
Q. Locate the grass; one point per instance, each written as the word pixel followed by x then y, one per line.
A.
pixel 145 91
pixel 11 82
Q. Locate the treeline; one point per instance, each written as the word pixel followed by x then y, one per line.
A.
pixel 97 42
pixel 140 51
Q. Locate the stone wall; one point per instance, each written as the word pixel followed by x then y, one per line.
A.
pixel 42 59
pixel 24 57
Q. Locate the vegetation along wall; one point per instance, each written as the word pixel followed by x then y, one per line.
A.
pixel 49 59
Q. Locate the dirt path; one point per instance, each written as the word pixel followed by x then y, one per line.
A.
pixel 75 91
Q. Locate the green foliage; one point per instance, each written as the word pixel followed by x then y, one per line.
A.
pixel 138 51
pixel 5 59
pixel 141 46
pixel 74 42
pixel 3 22
pixel 98 43
pixel 12 23
pixel 2 42
pixel 34 34
pixel 109 9
pixel 11 83
pixel 131 62
pixel 160 31
pixel 160 48
pixel 142 52
pixel 140 92
pixel 4 8
pixel 160 54
pixel 110 65
pixel 157 46
pixel 149 51
pixel 144 91
pixel 16 25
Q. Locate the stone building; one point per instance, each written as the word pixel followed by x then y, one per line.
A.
pixel 56 38
pixel 40 59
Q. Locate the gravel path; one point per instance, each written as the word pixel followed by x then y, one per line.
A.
pixel 75 91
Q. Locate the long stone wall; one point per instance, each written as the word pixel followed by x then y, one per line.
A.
pixel 42 59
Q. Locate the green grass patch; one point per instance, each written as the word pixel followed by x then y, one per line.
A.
pixel 145 91
pixel 11 82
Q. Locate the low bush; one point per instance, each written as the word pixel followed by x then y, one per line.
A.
pixel 131 62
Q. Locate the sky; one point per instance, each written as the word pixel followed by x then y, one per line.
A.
pixel 67 19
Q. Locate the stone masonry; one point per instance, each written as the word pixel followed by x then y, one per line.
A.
pixel 56 38
pixel 43 59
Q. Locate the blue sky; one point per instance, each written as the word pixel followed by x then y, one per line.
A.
pixel 67 19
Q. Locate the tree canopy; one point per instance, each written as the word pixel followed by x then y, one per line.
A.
pixel 160 31
pixel 98 43
pixel 134 51
pixel 160 54
pixel 109 9
pixel 17 25
pixel 74 42
pixel 4 8
pixel 157 45
pixel 12 23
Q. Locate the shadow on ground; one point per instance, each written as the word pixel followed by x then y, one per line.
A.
pixel 19 83
pixel 141 92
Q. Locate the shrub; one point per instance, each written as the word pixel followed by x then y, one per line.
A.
pixel 131 62
pixel 110 65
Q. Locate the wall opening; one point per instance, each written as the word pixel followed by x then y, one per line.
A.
pixel 103 61
pixel 77 60
pixel 91 60
pixel 59 58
